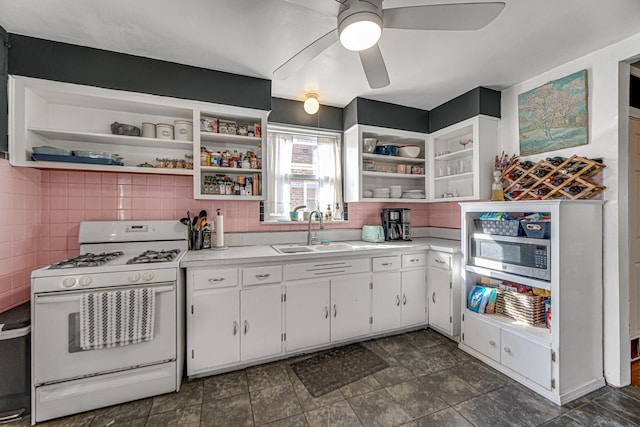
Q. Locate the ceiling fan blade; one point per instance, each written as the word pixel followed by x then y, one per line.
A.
pixel 305 55
pixel 374 68
pixel 456 17
pixel 328 7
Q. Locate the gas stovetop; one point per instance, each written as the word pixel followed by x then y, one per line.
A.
pixel 118 253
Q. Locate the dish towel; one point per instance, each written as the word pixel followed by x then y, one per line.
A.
pixel 116 318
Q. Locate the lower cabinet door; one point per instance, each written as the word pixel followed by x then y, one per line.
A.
pixel 386 301
pixel 349 307
pixel 481 336
pixel 439 299
pixel 414 297
pixel 214 330
pixel 261 317
pixel 307 313
pixel 531 359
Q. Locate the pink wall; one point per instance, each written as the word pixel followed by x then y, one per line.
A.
pixel 43 211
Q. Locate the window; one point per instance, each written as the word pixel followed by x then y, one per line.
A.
pixel 304 169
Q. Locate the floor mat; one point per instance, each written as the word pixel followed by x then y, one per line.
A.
pixel 337 367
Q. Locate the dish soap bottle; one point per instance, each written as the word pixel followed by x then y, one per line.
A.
pixel 497 193
pixel 328 215
pixel 337 214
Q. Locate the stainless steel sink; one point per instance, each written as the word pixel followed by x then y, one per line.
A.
pixel 300 248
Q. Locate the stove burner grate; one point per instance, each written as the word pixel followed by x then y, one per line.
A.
pixel 88 260
pixel 154 256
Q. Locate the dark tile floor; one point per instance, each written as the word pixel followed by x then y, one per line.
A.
pixel 429 382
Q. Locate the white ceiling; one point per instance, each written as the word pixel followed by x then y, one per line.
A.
pixel 254 37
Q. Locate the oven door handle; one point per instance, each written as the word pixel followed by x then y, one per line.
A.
pixel 65 297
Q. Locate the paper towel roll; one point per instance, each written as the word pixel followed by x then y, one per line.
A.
pixel 219 231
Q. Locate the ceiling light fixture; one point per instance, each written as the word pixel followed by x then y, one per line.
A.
pixel 360 25
pixel 311 104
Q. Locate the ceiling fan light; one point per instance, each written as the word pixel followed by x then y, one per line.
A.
pixel 311 104
pixel 360 31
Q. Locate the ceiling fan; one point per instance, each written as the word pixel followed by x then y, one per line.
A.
pixel 360 24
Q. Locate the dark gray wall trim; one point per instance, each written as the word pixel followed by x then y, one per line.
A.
pixel 350 114
pixel 64 62
pixel 4 96
pixel 287 111
pixel 384 114
pixel 477 101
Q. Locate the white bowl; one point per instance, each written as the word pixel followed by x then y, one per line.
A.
pixel 409 151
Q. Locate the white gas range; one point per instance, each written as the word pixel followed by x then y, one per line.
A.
pixel 107 325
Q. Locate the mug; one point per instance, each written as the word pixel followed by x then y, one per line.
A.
pixel 400 169
pixel 415 170
pixel 407 169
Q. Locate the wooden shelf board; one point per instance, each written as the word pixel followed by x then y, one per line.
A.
pixel 393 159
pixel 103 138
pixel 392 175
pixel 229 170
pixel 455 155
pixel 510 277
pixel 226 138
pixel 456 176
pixel 106 168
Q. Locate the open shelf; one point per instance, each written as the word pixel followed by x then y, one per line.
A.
pixel 455 154
pixel 494 274
pixel 103 138
pixel 394 159
pixel 228 138
pixel 392 175
pixel 235 171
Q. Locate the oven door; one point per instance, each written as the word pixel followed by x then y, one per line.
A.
pixel 56 337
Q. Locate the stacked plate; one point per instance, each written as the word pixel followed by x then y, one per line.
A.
pixel 413 194
pixel 395 191
pixel 381 193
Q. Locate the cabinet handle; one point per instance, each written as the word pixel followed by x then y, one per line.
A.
pixel 326 312
pixel 439 261
pixel 398 300
pixel 507 350
pixel 235 328
pixel 215 280
pixel 385 264
pixel 262 276
pixel 335 310
pixel 404 299
pixel 246 327
pixel 433 297
pixel 414 260
pixel 492 343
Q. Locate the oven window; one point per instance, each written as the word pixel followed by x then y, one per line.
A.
pixel 502 252
pixel 74 333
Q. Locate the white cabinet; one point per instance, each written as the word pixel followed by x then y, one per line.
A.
pixel 78 118
pixel 227 324
pixel 564 362
pixel 307 314
pixel 444 293
pixel 398 298
pixel 367 171
pixel 350 307
pixel 323 310
pixel 463 172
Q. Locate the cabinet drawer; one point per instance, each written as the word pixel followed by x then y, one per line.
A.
pixel 214 278
pixel 481 336
pixel 440 260
pixel 309 270
pixel 262 275
pixel 531 359
pixel 414 260
pixel 384 263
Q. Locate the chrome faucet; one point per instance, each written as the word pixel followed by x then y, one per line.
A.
pixel 314 240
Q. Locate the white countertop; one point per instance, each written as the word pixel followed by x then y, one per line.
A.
pixel 265 253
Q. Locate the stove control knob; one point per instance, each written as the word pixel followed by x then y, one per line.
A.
pixel 134 277
pixel 69 282
pixel 147 276
pixel 85 281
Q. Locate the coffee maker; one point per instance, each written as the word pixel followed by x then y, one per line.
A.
pixel 396 223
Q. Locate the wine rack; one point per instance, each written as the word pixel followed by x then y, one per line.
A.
pixel 555 178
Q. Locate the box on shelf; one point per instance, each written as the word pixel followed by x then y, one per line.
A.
pixel 499 227
pixel 537 229
pixel 526 308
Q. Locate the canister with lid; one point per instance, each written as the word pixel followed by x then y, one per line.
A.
pixel 183 130
pixel 164 131
pixel 148 130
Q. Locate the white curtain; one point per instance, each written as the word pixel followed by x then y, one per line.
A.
pixel 280 150
pixel 329 173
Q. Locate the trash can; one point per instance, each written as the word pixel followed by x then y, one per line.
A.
pixel 15 363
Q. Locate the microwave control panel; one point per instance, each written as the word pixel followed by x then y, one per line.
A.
pixel 540 259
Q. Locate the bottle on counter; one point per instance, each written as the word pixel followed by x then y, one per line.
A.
pixel 497 192
pixel 328 215
pixel 337 214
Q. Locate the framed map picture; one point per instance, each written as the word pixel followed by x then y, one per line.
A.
pixel 554 115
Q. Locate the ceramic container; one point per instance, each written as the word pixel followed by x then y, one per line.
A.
pixel 183 130
pixel 164 131
pixel 148 130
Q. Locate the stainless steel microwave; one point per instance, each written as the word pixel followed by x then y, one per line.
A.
pixel 517 255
